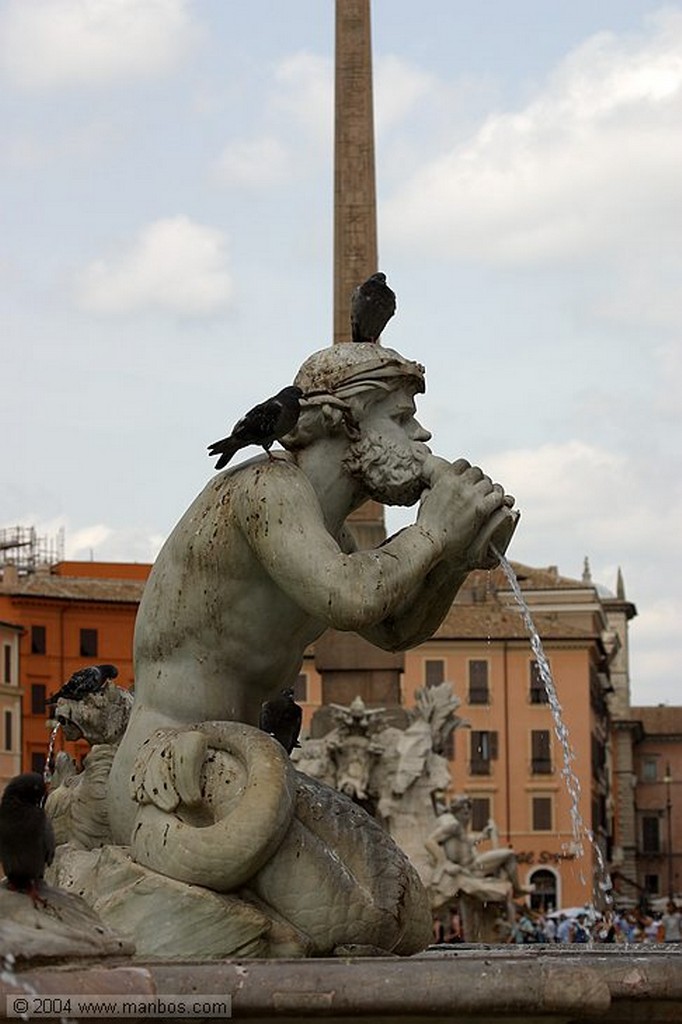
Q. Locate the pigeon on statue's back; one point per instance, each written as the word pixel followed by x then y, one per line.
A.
pixel 264 424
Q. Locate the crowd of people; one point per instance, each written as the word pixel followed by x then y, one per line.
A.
pixel 533 926
pixel 635 925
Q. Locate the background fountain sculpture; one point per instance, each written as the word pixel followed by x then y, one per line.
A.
pixel 208 823
pixel 392 762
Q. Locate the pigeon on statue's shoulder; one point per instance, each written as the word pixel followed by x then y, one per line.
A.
pixel 263 425
pixel 372 305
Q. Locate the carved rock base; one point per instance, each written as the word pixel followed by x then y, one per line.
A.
pixel 170 919
pixel 65 928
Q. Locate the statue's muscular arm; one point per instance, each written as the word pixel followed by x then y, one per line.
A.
pixel 395 595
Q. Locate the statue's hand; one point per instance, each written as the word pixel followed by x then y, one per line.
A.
pixel 462 510
pixel 167 770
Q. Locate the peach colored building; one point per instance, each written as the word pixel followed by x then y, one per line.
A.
pixel 509 759
pixel 658 770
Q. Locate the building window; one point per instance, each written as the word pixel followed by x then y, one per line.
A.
pixel 301 688
pixel 652 884
pixel 434 672
pixel 88 643
pixel 598 757
pixel 542 813
pixel 538 693
pixel 38 695
pixel 599 819
pixel 483 751
pixel 7 664
pixel 38 759
pixel 541 754
pixel 544 895
pixel 649 769
pixel 478 682
pixel 7 731
pixel 480 812
pixel 651 834
pixel 38 640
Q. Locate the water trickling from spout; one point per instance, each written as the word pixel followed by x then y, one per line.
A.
pixel 571 780
pixel 49 760
pixel 9 977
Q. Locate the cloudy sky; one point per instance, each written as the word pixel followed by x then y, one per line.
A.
pixel 166 260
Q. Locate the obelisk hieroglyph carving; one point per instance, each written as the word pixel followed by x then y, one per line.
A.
pixel 355 229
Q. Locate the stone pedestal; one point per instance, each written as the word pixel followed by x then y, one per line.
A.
pixel 352 667
pixel 480 921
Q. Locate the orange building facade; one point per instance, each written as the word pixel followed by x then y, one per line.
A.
pixel 71 614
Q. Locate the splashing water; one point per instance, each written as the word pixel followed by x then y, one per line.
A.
pixel 572 782
pixel 9 976
pixel 49 760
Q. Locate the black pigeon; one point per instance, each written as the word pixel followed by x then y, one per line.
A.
pixel 84 682
pixel 263 425
pixel 281 718
pixel 27 841
pixel 372 305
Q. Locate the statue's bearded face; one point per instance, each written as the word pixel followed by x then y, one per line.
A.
pixel 390 472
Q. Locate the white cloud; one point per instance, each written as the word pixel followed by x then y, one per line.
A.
pixel 174 264
pixel 255 163
pixel 100 542
pixel 559 480
pixel 50 43
pixel 614 500
pixel 399 86
pixel 294 135
pixel 304 95
pixel 588 167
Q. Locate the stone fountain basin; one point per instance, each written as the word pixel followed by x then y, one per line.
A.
pixel 444 984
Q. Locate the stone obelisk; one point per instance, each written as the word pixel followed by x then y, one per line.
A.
pixel 355 205
pixel 349 665
pixel 355 208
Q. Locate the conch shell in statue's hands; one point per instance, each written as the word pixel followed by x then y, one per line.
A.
pixel 289 841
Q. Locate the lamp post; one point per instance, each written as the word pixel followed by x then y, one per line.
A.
pixel 667 778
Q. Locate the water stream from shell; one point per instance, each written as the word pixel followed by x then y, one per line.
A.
pixel 49 760
pixel 578 828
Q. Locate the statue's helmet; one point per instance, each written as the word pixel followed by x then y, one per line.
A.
pixel 350 367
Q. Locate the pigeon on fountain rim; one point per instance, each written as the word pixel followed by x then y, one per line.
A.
pixel 27 842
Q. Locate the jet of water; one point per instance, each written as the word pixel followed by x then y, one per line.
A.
pixel 49 760
pixel 571 780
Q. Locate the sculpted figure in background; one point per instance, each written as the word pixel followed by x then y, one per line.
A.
pixel 417 771
pixel 460 868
